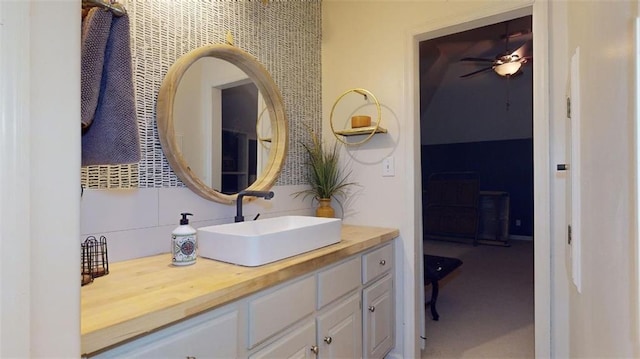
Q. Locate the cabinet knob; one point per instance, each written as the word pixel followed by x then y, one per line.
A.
pixel 190 357
pixel 314 349
pixel 372 309
pixel 328 340
pixel 383 262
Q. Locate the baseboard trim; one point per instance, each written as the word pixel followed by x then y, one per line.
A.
pixel 520 238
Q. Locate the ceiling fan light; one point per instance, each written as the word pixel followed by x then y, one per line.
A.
pixel 508 68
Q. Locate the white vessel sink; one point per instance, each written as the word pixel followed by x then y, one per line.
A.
pixel 255 243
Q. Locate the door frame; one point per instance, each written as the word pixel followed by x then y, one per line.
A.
pixel 541 150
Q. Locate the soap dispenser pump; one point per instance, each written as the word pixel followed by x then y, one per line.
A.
pixel 183 242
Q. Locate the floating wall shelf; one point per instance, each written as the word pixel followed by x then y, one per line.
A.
pixel 360 131
pixel 368 131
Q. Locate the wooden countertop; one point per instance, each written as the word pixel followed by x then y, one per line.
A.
pixel 144 294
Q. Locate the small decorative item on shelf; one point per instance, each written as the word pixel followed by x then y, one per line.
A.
pixel 326 179
pixel 361 125
pixel 360 121
pixel 95 260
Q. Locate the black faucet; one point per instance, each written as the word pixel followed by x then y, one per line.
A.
pixel 263 194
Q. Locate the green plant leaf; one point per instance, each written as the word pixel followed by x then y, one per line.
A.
pixel 326 178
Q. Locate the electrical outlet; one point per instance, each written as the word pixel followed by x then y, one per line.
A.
pixel 388 169
pixel 518 223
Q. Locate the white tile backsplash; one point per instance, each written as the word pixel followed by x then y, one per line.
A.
pixel 283 202
pixel 130 244
pixel 173 201
pixel 118 209
pixel 138 222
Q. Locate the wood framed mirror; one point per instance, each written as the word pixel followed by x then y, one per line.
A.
pixel 177 145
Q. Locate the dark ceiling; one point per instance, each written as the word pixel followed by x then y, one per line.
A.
pixel 440 63
pixel 485 42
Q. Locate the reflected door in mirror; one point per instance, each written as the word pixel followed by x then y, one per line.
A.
pixel 239 114
pixel 190 123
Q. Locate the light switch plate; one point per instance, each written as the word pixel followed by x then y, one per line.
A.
pixel 388 169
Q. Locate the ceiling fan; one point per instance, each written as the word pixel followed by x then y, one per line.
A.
pixel 507 63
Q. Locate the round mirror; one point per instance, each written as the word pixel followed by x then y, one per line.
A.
pixel 221 123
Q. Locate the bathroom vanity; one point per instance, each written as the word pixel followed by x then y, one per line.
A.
pixel 336 301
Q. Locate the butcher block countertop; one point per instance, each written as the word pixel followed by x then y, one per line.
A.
pixel 144 294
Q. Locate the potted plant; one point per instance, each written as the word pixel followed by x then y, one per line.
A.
pixel 326 179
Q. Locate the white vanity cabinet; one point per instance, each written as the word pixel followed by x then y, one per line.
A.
pixel 342 310
pixel 209 335
pixel 354 315
pixel 378 302
pixel 329 302
pixel 334 333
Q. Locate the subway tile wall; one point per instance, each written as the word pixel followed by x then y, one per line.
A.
pixel 138 222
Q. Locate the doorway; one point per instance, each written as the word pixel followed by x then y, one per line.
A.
pixel 539 182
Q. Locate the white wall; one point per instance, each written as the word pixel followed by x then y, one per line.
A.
pixel 192 127
pixel 602 321
pixel 558 123
pixel 603 318
pixel 372 53
pixel 14 186
pixel 40 135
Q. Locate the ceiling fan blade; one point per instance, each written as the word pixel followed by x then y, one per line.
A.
pixel 514 34
pixel 506 37
pixel 480 59
pixel 522 51
pixel 477 72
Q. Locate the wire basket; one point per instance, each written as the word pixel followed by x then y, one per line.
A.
pixel 95 260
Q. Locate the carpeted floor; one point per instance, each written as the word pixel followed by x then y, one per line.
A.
pixel 486 305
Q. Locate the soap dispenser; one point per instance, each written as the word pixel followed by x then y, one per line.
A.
pixel 183 242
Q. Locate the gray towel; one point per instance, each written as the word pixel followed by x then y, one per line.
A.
pixel 110 127
pixel 95 33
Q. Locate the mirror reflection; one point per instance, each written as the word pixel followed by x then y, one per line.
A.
pixel 221 123
pixel 223 129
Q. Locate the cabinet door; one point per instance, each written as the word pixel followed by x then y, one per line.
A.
pixel 206 336
pixel 378 312
pixel 340 330
pixel 298 344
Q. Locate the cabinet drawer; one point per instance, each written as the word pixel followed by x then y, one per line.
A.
pixel 215 332
pixel 376 263
pixel 338 281
pixel 275 310
pixel 295 344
